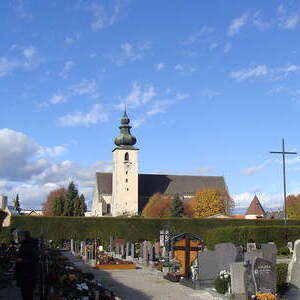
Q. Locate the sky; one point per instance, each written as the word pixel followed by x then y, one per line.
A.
pixel 211 87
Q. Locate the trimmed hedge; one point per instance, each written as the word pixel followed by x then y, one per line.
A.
pixel 242 235
pixel 132 229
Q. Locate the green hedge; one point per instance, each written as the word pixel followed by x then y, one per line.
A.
pixel 279 234
pixel 59 228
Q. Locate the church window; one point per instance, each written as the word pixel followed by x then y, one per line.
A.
pixel 126 172
pixel 126 156
pixel 127 189
pixel 126 180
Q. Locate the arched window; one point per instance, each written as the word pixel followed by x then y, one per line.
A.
pixel 126 156
pixel 126 180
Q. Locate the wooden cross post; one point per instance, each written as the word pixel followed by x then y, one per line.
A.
pixel 187 249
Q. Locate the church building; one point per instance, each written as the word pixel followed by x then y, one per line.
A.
pixel 126 192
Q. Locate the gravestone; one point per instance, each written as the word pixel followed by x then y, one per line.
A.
pixel 117 248
pixel 208 265
pixel 294 266
pixel 249 280
pixel 250 256
pixel 132 251
pixel 269 252
pixel 127 250
pixel 72 246
pixel 145 252
pixel 264 275
pixel 251 247
pixel 237 274
pixel 227 254
pixel 157 250
pixel 122 247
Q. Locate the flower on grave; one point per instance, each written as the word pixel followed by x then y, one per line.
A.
pixel 72 277
pixel 265 296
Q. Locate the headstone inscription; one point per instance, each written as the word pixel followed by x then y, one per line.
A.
pixel 264 275
pixel 294 266
pixel 251 247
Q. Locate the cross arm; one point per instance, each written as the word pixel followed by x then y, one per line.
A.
pixel 274 152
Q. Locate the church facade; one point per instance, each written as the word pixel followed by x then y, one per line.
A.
pixel 126 192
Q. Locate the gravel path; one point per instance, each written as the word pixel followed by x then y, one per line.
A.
pixel 142 284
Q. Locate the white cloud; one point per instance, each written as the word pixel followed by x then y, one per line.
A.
pixel 94 116
pixel 85 87
pixel 259 23
pixel 184 69
pixel 21 11
pixel 7 66
pixel 104 16
pixel 182 96
pixel 243 74
pixel 202 35
pixel 138 96
pixel 56 99
pixel 268 201
pixel 131 52
pixel 29 52
pixel 52 151
pixel 69 64
pixel 285 20
pixel 159 66
pixel 69 40
pixel 237 24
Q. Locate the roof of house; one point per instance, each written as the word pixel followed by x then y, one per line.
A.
pixel 237 217
pixel 255 208
pixel 150 184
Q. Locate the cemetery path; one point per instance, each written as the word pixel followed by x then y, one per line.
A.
pixel 141 284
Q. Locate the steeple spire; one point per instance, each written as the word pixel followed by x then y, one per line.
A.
pixel 125 138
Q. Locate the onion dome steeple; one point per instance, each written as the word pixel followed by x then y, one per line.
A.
pixel 125 138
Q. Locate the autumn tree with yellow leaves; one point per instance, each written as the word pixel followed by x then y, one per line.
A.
pixel 293 206
pixel 209 202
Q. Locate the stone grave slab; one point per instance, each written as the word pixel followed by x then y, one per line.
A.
pixel 227 253
pixel 269 252
pixel 294 267
pixel 237 271
pixel 264 274
pixel 251 247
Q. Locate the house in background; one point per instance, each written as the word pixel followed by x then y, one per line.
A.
pixel 255 210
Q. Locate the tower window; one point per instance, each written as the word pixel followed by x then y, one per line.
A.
pixel 127 189
pixel 126 172
pixel 126 156
pixel 126 180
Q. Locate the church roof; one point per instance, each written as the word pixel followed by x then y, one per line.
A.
pixel 255 208
pixel 165 184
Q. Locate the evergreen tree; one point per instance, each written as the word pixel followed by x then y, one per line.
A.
pixel 17 204
pixel 83 205
pixel 58 206
pixel 77 207
pixel 71 195
pixel 176 209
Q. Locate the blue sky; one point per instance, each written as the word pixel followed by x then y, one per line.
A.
pixel 211 87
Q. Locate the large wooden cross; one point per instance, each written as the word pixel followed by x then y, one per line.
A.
pixel 185 245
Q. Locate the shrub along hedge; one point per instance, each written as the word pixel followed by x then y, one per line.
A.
pixel 242 235
pixel 132 229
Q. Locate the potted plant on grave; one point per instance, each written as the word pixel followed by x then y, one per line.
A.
pixel 222 282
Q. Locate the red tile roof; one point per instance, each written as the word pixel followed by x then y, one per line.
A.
pixel 255 208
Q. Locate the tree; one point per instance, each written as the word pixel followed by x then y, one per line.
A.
pixel 17 204
pixel 58 206
pixel 70 197
pixel 176 209
pixel 48 204
pixel 209 202
pixel 79 206
pixel 157 206
pixel 293 206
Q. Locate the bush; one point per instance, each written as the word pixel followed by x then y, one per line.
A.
pixel 221 285
pixel 282 285
pixel 137 229
pixel 284 251
pixel 241 235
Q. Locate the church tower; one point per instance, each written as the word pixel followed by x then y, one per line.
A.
pixel 125 172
